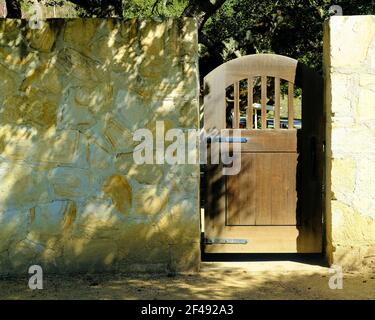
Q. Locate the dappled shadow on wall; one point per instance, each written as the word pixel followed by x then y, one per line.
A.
pixel 72 94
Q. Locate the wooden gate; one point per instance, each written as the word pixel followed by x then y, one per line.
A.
pixel 274 204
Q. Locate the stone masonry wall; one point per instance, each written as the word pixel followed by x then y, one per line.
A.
pixel 350 105
pixel 71 96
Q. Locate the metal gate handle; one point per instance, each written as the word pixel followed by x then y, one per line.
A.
pixel 227 139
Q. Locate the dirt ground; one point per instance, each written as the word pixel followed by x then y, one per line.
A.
pixel 216 280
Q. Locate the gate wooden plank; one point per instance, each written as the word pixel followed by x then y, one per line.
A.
pixel 277 190
pixel 240 201
pixel 283 189
pixel 234 199
pixel 291 183
pixel 263 196
pixel 250 101
pixel 290 105
pixel 277 104
pixel 236 119
pixel 264 101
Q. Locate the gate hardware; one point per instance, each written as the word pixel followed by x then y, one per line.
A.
pixel 225 241
pixel 227 139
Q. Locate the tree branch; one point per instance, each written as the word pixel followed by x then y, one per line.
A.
pixel 202 10
pixel 13 9
pixel 154 6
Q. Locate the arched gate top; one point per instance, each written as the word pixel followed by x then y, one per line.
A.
pixel 271 65
pixel 247 67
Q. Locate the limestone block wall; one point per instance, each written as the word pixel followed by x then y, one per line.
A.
pixel 350 106
pixel 71 96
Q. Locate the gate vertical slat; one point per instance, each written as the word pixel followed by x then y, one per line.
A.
pixel 236 105
pixel 290 105
pixel 250 101
pixel 277 104
pixel 264 101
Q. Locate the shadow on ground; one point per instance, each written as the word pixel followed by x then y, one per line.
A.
pixel 217 280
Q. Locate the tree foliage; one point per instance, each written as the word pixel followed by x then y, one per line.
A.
pixel 290 27
pixel 231 28
pixel 149 8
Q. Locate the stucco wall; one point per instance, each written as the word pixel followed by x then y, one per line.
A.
pixel 350 105
pixel 71 96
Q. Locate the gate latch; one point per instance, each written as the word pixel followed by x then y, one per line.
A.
pixel 227 139
pixel 225 241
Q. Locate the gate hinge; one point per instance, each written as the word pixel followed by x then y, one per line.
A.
pixel 225 241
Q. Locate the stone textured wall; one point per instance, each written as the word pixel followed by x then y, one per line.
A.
pixel 350 105
pixel 71 96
